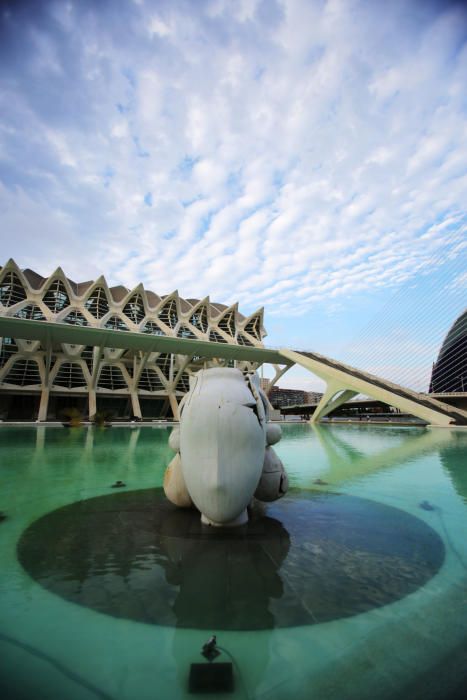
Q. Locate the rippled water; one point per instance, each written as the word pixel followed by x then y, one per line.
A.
pixel 352 586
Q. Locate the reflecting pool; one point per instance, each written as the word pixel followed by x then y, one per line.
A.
pixel 352 586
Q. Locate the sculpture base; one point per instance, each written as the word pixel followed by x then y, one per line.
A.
pixel 241 519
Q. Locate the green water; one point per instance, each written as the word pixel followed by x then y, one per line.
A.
pixel 411 644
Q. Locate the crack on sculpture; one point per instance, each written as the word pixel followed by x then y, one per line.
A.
pixel 254 408
pixel 228 459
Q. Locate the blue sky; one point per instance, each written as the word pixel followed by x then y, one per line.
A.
pixel 308 156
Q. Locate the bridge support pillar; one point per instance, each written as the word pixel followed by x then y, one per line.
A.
pixel 330 400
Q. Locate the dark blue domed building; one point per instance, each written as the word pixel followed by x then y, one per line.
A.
pixel 449 373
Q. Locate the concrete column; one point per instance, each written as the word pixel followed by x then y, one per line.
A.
pixel 135 404
pixel 92 403
pixel 174 406
pixel 44 404
pixel 328 403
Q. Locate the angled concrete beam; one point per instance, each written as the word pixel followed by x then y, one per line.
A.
pixel 328 403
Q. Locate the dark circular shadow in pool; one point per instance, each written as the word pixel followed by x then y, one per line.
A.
pixel 309 558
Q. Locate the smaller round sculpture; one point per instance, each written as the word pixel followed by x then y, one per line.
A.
pixel 224 456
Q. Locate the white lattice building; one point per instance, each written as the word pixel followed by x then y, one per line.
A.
pixel 39 382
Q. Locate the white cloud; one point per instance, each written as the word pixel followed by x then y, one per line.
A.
pixel 158 26
pixel 296 153
pixel 459 282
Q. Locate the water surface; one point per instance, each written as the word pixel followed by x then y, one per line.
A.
pixel 351 587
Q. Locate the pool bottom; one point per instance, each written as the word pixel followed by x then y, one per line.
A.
pixel 306 559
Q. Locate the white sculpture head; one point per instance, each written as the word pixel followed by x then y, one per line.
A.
pixel 222 444
pixel 225 458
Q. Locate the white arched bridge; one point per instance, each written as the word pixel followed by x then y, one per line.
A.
pixel 342 381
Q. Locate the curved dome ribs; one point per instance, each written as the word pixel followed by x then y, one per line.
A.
pixel 115 323
pixel 253 328
pixel 200 319
pixel 150 381
pixel 24 373
pixel 216 337
pixel 30 312
pixel 185 332
pixel 253 325
pixel 152 328
pixel 449 373
pixel 8 348
pixel 11 289
pixel 97 303
pixel 111 377
pixel 227 323
pixel 70 376
pixel 75 318
pixel 134 309
pixel 168 314
pixel 56 297
pixel 95 371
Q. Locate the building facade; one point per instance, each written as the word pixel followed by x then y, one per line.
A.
pixel 287 397
pixel 44 383
pixel 449 374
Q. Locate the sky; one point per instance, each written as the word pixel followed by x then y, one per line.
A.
pixel 308 156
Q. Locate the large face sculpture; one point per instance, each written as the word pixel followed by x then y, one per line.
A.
pixel 222 448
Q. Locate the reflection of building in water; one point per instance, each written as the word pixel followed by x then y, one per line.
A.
pixel 39 382
pixel 453 460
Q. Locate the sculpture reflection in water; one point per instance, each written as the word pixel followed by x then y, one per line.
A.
pixel 132 554
pixel 224 456
pixel 222 581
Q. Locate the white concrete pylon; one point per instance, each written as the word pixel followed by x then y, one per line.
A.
pixel 333 397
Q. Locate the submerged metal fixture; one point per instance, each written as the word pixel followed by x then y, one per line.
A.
pixel 118 484
pixel 426 505
pixel 211 677
pixel 209 650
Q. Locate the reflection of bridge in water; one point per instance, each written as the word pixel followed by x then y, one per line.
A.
pixel 347 462
pixel 342 381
